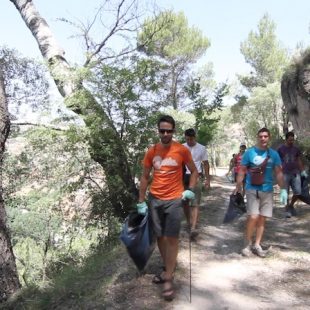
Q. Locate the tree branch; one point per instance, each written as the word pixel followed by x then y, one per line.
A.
pixel 39 125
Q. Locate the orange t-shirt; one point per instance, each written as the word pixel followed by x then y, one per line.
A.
pixel 167 165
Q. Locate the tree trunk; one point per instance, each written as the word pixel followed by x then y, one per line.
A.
pixel 9 282
pixel 104 140
pixel 295 91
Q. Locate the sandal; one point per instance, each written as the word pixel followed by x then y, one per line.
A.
pixel 158 279
pixel 168 293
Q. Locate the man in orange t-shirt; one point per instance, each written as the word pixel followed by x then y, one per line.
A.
pixel 166 159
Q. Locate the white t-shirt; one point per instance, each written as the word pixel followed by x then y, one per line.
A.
pixel 199 154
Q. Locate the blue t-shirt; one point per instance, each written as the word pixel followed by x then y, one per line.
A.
pixel 254 157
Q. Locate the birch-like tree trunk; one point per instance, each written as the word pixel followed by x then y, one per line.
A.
pixel 106 146
pixel 9 282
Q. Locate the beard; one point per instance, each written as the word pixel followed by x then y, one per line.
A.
pixel 166 139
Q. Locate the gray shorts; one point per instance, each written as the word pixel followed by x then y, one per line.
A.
pixel 259 203
pixel 166 216
pixel 293 180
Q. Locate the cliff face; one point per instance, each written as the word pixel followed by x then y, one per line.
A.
pixel 295 91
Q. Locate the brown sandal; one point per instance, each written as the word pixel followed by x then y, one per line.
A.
pixel 158 279
pixel 168 293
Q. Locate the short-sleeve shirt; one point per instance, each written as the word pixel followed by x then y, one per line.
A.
pixel 289 156
pixel 254 156
pixel 167 163
pixel 199 154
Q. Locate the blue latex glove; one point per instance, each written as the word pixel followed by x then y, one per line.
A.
pixel 304 174
pixel 142 207
pixel 283 196
pixel 188 195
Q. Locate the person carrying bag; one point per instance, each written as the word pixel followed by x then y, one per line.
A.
pixel 257 173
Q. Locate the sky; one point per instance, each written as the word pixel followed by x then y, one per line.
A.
pixel 226 23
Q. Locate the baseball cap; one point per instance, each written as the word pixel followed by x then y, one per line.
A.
pixel 242 144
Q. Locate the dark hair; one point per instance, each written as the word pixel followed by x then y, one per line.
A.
pixel 264 129
pixel 167 119
pixel 190 132
pixel 289 134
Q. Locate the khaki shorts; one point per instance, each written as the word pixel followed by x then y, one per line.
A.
pixel 259 203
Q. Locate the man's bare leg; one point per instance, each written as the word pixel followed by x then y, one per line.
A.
pixel 186 209
pixel 171 253
pixel 251 225
pixel 260 229
pixel 194 217
pixel 162 247
pixel 170 263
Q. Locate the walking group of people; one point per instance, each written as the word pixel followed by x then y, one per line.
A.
pixel 174 189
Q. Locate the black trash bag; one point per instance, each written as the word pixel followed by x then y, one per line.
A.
pixel 305 196
pixel 138 237
pixel 236 208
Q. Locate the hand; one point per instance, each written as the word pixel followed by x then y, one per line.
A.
pixel 238 189
pixel 207 183
pixel 304 174
pixel 188 195
pixel 283 196
pixel 142 208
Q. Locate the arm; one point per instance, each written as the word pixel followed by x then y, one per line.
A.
pixel 206 167
pixel 231 165
pixel 300 164
pixel 240 177
pixel 281 183
pixel 194 174
pixel 144 181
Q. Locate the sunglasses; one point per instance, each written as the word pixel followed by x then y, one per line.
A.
pixel 165 130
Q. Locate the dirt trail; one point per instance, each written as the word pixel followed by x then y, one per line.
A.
pixel 221 277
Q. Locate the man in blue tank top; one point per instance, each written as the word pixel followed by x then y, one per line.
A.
pixel 259 197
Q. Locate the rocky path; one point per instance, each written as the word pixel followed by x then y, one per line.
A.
pixel 223 279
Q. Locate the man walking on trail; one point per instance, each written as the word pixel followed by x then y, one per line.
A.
pixel 259 197
pixel 200 158
pixel 166 159
pixel 293 170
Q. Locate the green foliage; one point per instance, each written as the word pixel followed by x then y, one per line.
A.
pixel 49 187
pixel 77 285
pixel 203 108
pixel 25 81
pixel 262 105
pixel 237 108
pixel 170 37
pixel 264 54
pixel 128 95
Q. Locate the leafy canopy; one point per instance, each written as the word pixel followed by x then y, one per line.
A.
pixel 264 53
pixel 173 40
